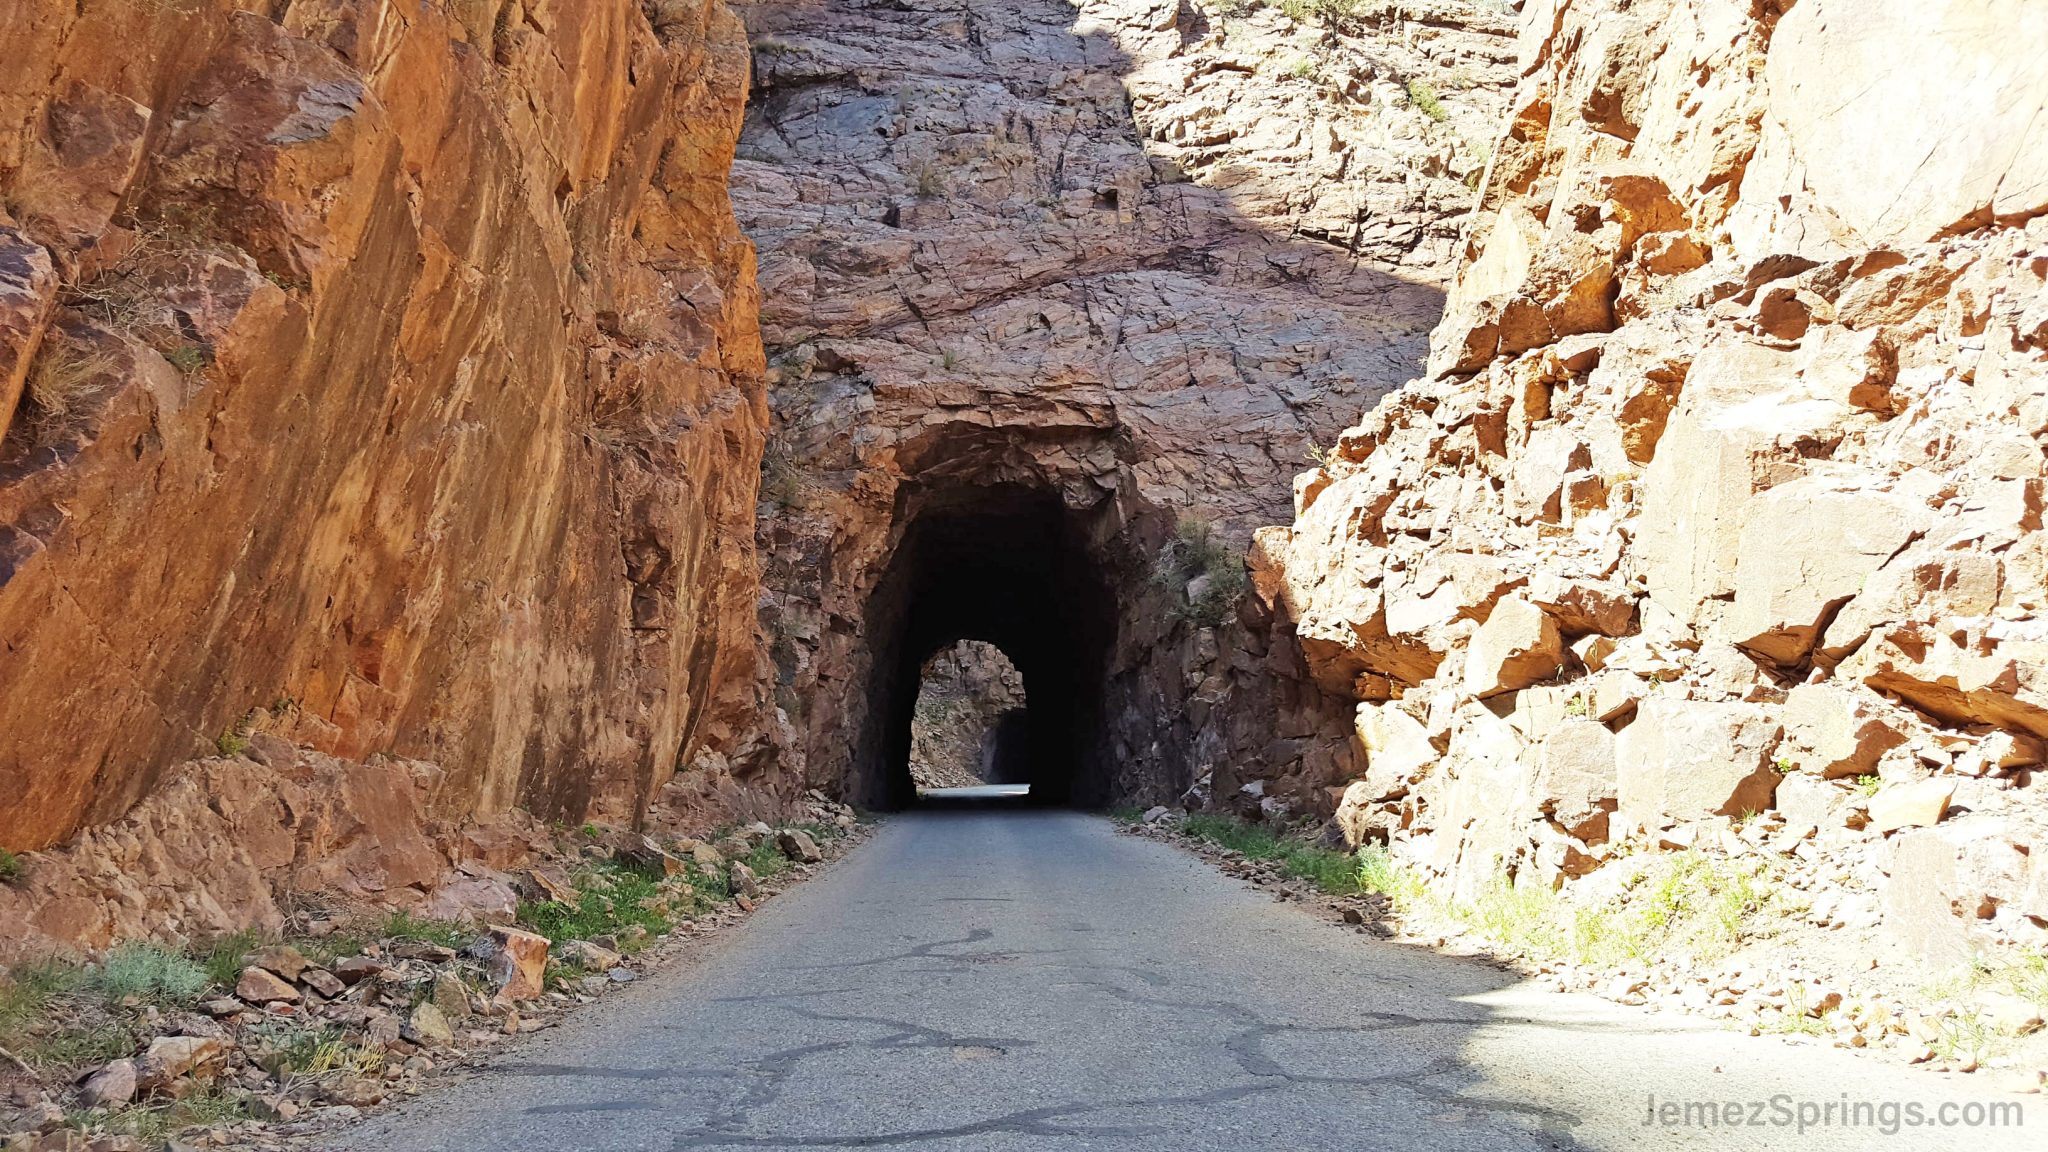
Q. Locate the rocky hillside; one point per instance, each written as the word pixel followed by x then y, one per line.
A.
pixel 382 401
pixel 1138 258
pixel 1716 521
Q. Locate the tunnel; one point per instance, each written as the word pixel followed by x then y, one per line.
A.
pixel 1012 565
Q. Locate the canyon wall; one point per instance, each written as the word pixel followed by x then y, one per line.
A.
pixel 1140 255
pixel 1716 521
pixel 382 399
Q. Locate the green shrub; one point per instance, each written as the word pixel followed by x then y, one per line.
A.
pixel 224 959
pixel 148 972
pixel 10 867
pixel 1424 98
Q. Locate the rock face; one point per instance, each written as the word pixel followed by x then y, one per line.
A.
pixel 970 700
pixel 385 384
pixel 1742 388
pixel 1130 260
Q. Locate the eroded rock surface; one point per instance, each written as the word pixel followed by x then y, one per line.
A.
pixel 1732 441
pixel 393 372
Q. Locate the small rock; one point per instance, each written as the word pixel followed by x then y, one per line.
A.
pixel 223 1006
pixel 797 844
pixel 261 986
pixel 170 1057
pixel 279 1108
pixel 451 996
pixel 357 969
pixel 1921 803
pixel 322 981
pixel 622 975
pixel 282 959
pixel 420 950
pixel 519 964
pixel 1156 813
pixel 112 1084
pixel 428 1026
pixel 589 956
pixel 742 880
pixel 1353 916
pixel 42 1116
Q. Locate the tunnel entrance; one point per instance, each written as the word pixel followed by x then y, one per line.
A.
pixel 1014 568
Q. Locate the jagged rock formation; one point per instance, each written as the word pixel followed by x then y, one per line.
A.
pixel 1724 490
pixel 1100 268
pixel 383 385
pixel 969 710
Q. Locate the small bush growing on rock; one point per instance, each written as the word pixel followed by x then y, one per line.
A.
pixel 148 972
pixel 1196 554
pixel 10 867
pixel 1424 98
pixel 64 383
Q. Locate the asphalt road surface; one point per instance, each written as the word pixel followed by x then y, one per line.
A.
pixel 1034 980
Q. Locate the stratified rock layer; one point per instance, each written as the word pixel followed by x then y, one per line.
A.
pixel 1733 442
pixel 385 382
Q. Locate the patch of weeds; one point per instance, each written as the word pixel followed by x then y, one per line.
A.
pixel 1965 1039
pixel 1303 68
pixel 1782 766
pixel 189 358
pixel 1319 455
pixel 1867 786
pixel 10 867
pixel 783 481
pixel 1379 872
pixel 1685 903
pixel 766 858
pixel 1576 707
pixel 235 740
pixel 1196 552
pixel 609 899
pixel 1796 1018
pixel 2025 977
pixel 929 180
pixel 403 925
pixel 1424 99
pixel 52 1017
pixel 148 972
pixel 1332 871
pixel 64 383
pixel 223 959
pixel 1127 814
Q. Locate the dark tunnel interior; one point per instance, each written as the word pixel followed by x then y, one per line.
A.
pixel 1010 565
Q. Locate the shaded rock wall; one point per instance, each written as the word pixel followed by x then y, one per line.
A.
pixel 1143 256
pixel 1723 494
pixel 383 379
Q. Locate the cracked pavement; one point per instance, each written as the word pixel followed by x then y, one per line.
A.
pixel 1030 979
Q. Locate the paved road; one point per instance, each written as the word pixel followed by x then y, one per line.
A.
pixel 1018 980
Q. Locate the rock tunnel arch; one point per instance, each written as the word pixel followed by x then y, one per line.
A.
pixel 1015 565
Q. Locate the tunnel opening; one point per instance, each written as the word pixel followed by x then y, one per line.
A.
pixel 970 702
pixel 1013 567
